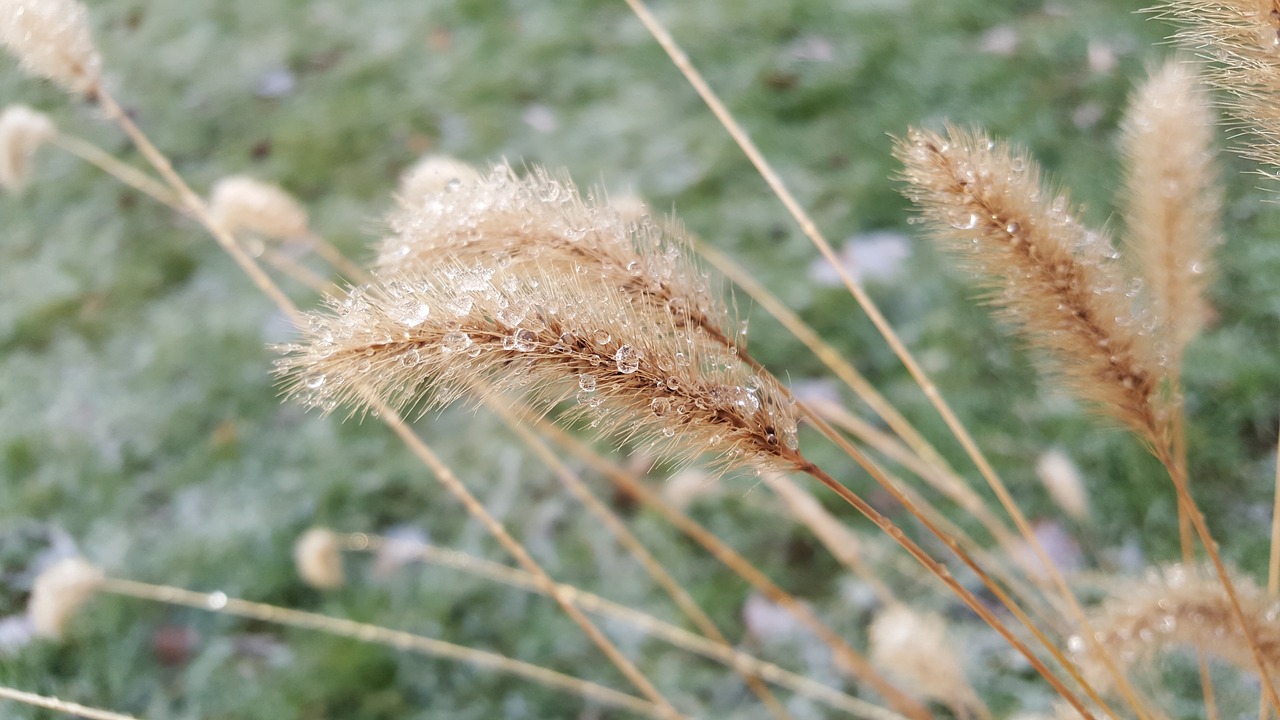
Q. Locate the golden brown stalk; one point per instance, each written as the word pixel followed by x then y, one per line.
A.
pixel 1241 39
pixel 1172 199
pixel 1184 607
pixel 1057 280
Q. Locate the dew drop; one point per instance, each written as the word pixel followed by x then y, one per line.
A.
pixel 668 431
pixel 415 314
pixel 315 381
pixel 602 337
pixel 661 406
pixel 216 600
pixel 673 383
pixel 587 383
pixel 511 316
pixel 1012 228
pixel 410 358
pixel 524 340
pixel 461 305
pixel 628 360
pixel 509 343
pixel 456 341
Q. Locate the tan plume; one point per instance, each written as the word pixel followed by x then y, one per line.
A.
pixel 1172 198
pixel 1059 281
pixel 51 39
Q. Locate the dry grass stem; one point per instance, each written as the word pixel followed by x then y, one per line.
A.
pixel 22 132
pixel 1059 281
pixel 51 40
pixel 219 602
pixel 1185 607
pixel 60 706
pixel 676 636
pixel 1172 199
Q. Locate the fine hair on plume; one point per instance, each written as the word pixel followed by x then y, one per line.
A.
pixel 510 285
pixel 1060 282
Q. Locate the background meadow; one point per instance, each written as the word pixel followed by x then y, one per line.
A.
pixel 140 423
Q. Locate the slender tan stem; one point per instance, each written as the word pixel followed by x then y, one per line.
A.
pixel 1211 549
pixel 220 603
pixel 1273 564
pixel 969 599
pixel 676 636
pixel 62 706
pixel 1185 537
pixel 632 544
pixel 193 202
pixel 443 473
pixel 298 272
pixel 348 269
pixel 931 391
pixel 850 658
pixel 110 164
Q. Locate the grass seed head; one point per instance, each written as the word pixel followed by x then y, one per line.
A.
pixel 22 132
pixel 244 204
pixel 51 40
pixel 317 555
pixel 59 592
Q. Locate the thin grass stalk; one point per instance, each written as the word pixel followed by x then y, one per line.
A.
pixel 299 273
pixel 110 164
pixel 442 472
pixel 365 632
pixel 332 255
pixel 675 635
pixel 635 548
pixel 62 706
pixel 810 229
pixel 1043 609
pixel 845 654
pixel 945 576
pixel 681 61
pixel 838 539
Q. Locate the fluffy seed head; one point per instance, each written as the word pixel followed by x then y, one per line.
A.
pixel 523 317
pixel 318 557
pixel 1062 479
pixel 51 39
pixel 1058 281
pixel 1181 607
pixel 58 592
pixel 244 204
pixel 1172 198
pixel 22 132
pixel 432 175
pixel 913 646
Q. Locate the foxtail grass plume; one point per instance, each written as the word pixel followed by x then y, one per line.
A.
pixel 1172 198
pixel 439 326
pixel 22 132
pixel 51 40
pixel 541 220
pixel 1057 280
pixel 1182 607
pixel 244 204
pixel 913 646
pixel 58 593
pixel 317 555
pixel 432 175
pixel 1060 476
pixel 1241 41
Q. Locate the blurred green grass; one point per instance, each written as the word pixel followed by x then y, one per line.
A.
pixel 139 419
